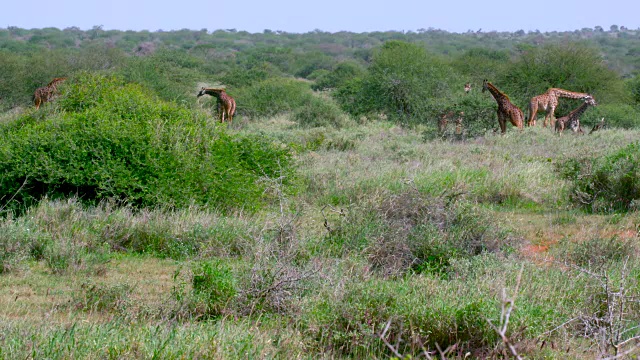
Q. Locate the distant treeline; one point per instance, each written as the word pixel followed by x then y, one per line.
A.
pixel 408 76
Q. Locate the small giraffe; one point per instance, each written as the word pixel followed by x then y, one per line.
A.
pixel 46 93
pixel 573 118
pixel 506 109
pixel 225 103
pixel 548 102
pixel 444 121
pixel 598 126
pixel 467 88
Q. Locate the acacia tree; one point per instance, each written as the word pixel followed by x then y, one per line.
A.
pixel 571 66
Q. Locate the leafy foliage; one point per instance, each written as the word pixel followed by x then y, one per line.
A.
pixel 109 139
pixel 571 66
pixel 273 96
pixel 405 82
pixel 606 184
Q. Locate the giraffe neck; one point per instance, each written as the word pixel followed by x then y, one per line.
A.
pixel 577 111
pixel 213 92
pixel 567 94
pixel 501 98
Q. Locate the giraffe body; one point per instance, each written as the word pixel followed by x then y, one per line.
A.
pixel 226 105
pixel 46 93
pixel 506 109
pixel 549 102
pixel 572 120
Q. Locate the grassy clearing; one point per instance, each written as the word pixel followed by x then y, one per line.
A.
pixel 388 227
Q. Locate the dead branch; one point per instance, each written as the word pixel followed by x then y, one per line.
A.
pixel 507 308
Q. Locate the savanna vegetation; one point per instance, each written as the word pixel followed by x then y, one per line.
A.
pixel 332 218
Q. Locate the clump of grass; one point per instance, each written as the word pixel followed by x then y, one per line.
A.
pixel 598 253
pixel 98 297
pixel 212 288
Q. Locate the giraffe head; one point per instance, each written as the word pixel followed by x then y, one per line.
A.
pixel 211 91
pixel 590 100
pixel 484 85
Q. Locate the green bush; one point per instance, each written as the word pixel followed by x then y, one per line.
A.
pixel 404 81
pixel 213 287
pixel 108 139
pixel 572 66
pixel 605 184
pixel 342 72
pixel 272 96
pixel 615 116
pixel 319 112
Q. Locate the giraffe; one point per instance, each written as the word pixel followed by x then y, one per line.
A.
pixel 46 93
pixel 225 103
pixel 467 88
pixel 573 118
pixel 444 121
pixel 506 109
pixel 548 102
pixel 597 126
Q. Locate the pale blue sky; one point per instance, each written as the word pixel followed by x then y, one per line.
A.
pixel 327 15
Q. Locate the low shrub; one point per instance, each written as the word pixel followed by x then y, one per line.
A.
pixel 319 112
pixel 213 287
pixel 272 96
pixel 605 184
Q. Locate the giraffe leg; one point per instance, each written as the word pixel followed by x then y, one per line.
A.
pixel 502 122
pixel 220 113
pixel 232 110
pixel 533 111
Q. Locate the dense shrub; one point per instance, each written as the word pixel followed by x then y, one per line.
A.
pixel 606 184
pixel 616 116
pixel 109 139
pixel 272 96
pixel 320 112
pixel 342 72
pixel 404 81
pixel 477 64
pixel 213 287
pixel 571 66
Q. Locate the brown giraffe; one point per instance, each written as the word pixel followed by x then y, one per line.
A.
pixel 506 109
pixel 548 102
pixel 598 126
pixel 467 88
pixel 46 93
pixel 225 103
pixel 572 120
pixel 444 121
